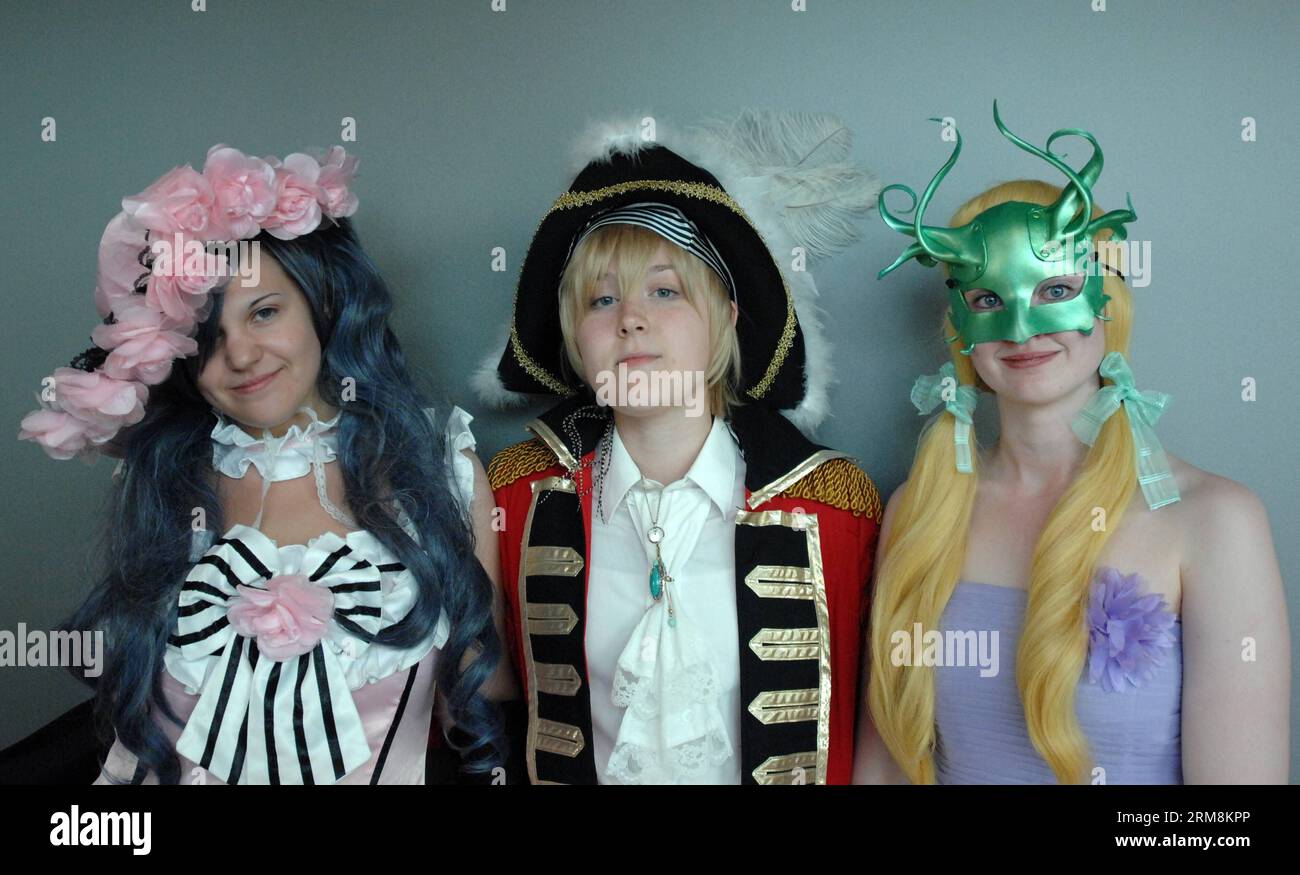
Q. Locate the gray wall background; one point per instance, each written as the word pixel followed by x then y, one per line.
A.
pixel 465 118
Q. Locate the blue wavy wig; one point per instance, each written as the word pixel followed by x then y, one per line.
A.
pixel 389 451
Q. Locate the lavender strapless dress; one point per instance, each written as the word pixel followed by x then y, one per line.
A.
pixel 1134 733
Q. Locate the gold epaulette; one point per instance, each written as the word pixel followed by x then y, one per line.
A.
pixel 519 460
pixel 839 483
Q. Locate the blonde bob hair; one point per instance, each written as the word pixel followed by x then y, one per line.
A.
pixel 635 248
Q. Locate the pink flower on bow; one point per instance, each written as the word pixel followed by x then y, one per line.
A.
pixel 106 404
pixel 244 188
pixel 142 343
pixel 288 618
pixel 336 172
pixel 182 200
pixel 298 197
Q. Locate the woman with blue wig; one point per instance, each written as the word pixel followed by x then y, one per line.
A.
pixel 299 557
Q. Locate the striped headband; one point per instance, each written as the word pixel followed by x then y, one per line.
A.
pixel 669 223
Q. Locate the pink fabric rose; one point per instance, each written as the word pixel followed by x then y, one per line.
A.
pixel 119 262
pixel 183 274
pixel 298 197
pixel 336 172
pixel 61 435
pixel 105 403
pixel 143 343
pixel 288 618
pixel 244 188
pixel 182 200
pixel 180 298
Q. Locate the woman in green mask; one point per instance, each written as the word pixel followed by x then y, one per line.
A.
pixel 1069 604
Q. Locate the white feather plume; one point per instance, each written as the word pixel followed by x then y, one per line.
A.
pixel 812 183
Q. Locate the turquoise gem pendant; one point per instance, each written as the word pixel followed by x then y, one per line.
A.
pixel 656 582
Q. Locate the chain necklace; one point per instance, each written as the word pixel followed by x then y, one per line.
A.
pixel 659 576
pixel 604 449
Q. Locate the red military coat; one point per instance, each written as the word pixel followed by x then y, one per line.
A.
pixel 804 547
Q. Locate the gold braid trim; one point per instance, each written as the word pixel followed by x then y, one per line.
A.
pixel 839 483
pixel 519 460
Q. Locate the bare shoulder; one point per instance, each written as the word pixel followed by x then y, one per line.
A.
pixel 476 462
pixel 1226 535
pixel 1212 504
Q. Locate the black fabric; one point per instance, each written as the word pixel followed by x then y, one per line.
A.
pixel 559 523
pixel 760 290
pixel 771 444
pixel 780 546
pixel 64 751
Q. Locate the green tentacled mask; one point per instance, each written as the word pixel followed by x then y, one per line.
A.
pixel 1033 264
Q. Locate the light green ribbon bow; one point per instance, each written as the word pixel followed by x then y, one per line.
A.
pixel 1144 410
pixel 931 390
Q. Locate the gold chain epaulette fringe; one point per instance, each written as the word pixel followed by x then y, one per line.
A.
pixel 839 483
pixel 519 460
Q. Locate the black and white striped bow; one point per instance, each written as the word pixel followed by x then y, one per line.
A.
pixel 262 721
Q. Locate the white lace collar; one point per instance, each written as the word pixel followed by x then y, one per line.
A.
pixel 276 458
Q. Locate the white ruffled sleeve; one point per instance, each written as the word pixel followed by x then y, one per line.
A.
pixel 460 469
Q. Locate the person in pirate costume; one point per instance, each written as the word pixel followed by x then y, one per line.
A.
pixel 687 585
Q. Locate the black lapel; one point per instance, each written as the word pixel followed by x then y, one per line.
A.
pixel 781 644
pixel 781 612
pixel 553 560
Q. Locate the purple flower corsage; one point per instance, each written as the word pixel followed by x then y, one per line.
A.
pixel 1129 632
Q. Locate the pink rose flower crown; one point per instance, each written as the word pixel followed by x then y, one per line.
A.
pixel 151 307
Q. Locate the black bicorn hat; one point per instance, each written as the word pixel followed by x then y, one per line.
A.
pixel 778 325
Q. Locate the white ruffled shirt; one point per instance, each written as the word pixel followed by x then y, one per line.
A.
pixel 665 699
pixel 312 716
